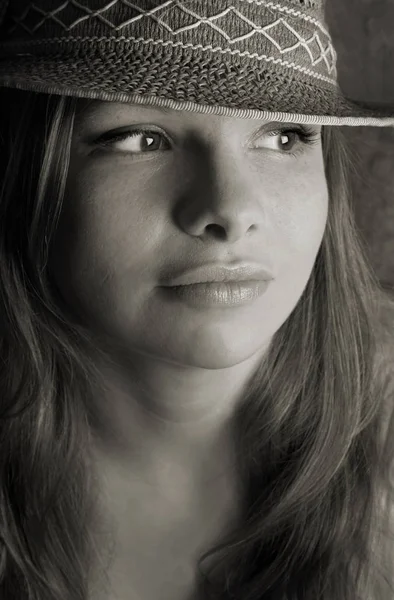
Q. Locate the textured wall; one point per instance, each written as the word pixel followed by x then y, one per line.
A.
pixel 363 33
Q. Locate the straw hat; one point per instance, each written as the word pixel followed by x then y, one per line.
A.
pixel 245 58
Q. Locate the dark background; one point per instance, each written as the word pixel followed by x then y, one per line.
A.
pixel 363 35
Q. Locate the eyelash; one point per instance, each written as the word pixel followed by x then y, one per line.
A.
pixel 307 136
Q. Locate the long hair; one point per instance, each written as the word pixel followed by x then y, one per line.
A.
pixel 314 449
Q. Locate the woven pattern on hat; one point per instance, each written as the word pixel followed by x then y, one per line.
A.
pixel 282 33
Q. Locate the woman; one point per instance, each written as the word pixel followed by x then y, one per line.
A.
pixel 193 362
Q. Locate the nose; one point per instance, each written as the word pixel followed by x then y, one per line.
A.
pixel 223 199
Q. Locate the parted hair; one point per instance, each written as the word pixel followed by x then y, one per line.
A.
pixel 315 431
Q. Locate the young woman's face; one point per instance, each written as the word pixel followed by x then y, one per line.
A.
pixel 190 189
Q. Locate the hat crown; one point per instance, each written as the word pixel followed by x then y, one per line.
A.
pixel 288 32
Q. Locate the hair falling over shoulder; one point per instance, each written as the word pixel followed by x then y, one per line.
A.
pixel 315 440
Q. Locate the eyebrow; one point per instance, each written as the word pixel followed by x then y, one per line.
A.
pixel 93 107
pixel 162 109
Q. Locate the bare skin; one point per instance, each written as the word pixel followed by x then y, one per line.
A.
pixel 162 528
pixel 208 189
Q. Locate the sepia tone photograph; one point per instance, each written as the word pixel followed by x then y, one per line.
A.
pixel 197 337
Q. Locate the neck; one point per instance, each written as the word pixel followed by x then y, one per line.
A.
pixel 166 412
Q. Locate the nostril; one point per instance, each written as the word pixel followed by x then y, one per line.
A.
pixel 217 230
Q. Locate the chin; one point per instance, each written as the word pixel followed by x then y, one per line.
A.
pixel 214 354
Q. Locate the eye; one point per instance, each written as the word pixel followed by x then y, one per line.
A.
pixel 143 141
pixel 136 141
pixel 290 141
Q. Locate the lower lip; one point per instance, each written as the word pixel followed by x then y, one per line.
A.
pixel 224 294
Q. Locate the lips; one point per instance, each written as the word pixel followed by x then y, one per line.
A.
pixel 219 273
pixel 218 295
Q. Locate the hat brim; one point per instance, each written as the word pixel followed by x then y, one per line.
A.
pixel 295 100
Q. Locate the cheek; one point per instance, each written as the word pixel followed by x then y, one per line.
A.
pixel 300 217
pixel 92 228
pixel 106 220
pixel 301 213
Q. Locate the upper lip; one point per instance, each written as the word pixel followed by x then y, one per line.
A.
pixel 219 273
